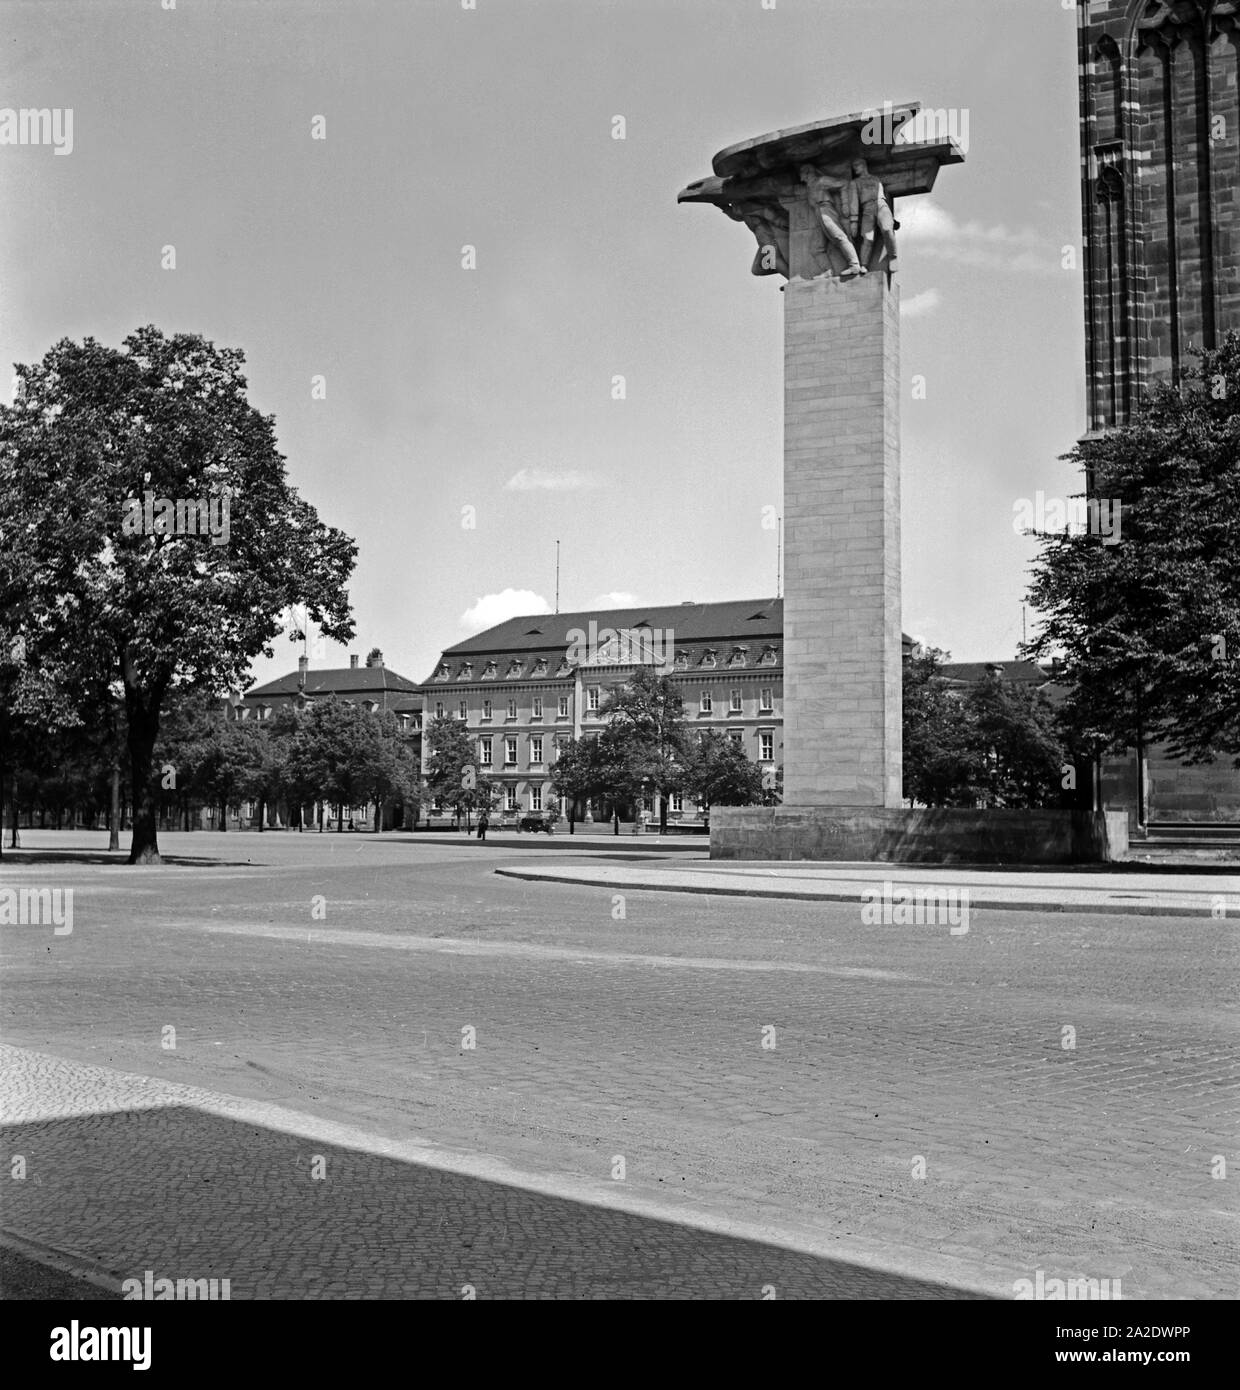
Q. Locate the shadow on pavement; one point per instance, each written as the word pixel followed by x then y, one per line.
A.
pixel 191 1195
pixel 116 858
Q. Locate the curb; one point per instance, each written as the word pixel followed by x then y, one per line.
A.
pixel 64 1262
pixel 818 895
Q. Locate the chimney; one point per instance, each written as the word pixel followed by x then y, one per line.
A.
pixel 353 663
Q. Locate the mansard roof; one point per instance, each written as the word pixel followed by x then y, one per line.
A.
pixel 738 631
pixel 351 680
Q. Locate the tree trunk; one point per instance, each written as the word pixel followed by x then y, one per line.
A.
pixel 114 792
pixel 223 815
pixel 262 815
pixel 143 722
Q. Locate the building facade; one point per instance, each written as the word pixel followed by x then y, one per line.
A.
pixel 1160 167
pixel 372 686
pixel 1160 177
pixel 529 685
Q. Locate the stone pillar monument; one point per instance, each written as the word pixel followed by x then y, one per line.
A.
pixel 819 199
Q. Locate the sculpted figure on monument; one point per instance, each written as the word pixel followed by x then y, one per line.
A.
pixel 769 224
pixel 867 208
pixel 823 192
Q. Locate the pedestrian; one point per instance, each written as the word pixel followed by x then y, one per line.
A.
pixel 483 822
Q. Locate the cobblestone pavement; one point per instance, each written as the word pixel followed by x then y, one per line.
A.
pixel 319 994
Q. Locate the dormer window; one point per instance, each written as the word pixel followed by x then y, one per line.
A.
pixel 682 660
pixel 490 670
pixel 564 668
pixel 708 656
pixel 466 672
pixel 540 666
pixel 769 656
pixel 739 657
pixel 514 670
pixel 442 673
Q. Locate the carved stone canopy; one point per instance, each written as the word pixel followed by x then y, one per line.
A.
pixel 761 182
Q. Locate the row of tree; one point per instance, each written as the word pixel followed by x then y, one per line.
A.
pixel 328 753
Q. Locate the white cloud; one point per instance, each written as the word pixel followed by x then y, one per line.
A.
pixel 616 599
pixel 542 480
pixel 935 232
pixel 498 608
pixel 921 304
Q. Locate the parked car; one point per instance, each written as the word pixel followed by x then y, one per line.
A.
pixel 535 820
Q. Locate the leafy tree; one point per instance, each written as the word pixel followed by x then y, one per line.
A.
pixel 1149 628
pixel 719 774
pixel 393 773
pixel 645 738
pixel 941 758
pixel 1022 754
pixel 580 772
pixel 93 434
pixel 995 744
pixel 450 751
pixel 337 752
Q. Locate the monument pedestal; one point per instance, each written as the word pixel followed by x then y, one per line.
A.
pixel 887 835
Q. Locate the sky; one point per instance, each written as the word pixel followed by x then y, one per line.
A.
pixel 468 417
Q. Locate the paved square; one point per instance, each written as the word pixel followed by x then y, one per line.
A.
pixel 606 1028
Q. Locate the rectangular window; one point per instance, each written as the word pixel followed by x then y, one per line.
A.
pixel 510 752
pixel 677 802
pixel 536 750
pixel 438 709
pixel 463 709
pixel 536 798
pixel 706 705
pixel 537 706
pixel 486 709
pixel 563 706
pixel 766 747
pixel 766 701
pixel 512 709
pixel 592 695
pixel 510 797
pixel 484 751
pixel 735 704
pixel 737 736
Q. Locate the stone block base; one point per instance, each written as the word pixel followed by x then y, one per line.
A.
pixel 917 836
